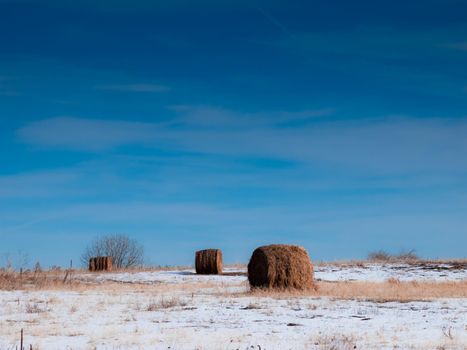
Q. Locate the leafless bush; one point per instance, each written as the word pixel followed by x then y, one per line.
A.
pixel 34 308
pixel 9 280
pixel 407 256
pixel 335 342
pixel 379 255
pixel 164 303
pixel 12 280
pixel 447 332
pixel 252 306
pixel 383 256
pixel 35 279
pixel 125 252
pixel 15 262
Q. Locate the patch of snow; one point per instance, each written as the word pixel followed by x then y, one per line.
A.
pixel 121 320
pixel 182 310
pixel 383 272
pixel 367 272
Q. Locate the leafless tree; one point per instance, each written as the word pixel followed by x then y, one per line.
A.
pixel 18 261
pixel 125 252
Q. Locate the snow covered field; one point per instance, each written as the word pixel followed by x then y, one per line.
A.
pixel 328 272
pixel 180 310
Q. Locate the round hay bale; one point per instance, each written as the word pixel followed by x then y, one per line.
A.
pixel 100 263
pixel 280 266
pixel 208 262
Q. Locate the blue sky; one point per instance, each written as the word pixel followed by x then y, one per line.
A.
pixel 340 126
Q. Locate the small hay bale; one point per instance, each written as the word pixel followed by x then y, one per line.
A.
pixel 208 262
pixel 100 263
pixel 280 266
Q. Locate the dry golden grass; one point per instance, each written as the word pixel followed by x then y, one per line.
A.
pixel 391 290
pixel 394 290
pixel 420 262
pixel 12 280
pixel 54 280
pixel 36 280
pixel 154 268
pixel 360 263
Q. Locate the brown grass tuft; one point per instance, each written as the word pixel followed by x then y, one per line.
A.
pixel 34 308
pixel 335 342
pixel 280 266
pixel 165 303
pixel 37 279
pixel 403 256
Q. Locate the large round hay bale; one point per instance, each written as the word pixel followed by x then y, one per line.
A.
pixel 280 266
pixel 208 262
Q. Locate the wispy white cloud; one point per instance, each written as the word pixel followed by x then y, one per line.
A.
pixel 8 92
pixel 86 134
pixel 462 46
pixel 391 225
pixel 96 135
pixel 388 182
pixel 215 117
pixel 154 88
pixel 394 145
pixel 275 21
pixel 37 184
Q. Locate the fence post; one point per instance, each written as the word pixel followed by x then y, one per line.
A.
pixel 71 268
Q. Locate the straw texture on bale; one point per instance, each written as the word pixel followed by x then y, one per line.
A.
pixel 208 262
pixel 100 263
pixel 280 266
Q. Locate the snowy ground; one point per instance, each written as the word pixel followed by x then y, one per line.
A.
pixel 180 310
pixel 403 272
pixel 328 272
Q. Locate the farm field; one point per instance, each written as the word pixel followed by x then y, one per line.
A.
pixel 363 306
pixel 233 175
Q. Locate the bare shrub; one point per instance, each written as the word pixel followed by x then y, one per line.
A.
pixel 125 252
pixel 447 332
pixel 34 308
pixel 37 267
pixel 252 306
pixel 335 342
pixel 407 256
pixel 153 307
pixel 403 256
pixel 9 280
pixel 12 280
pixel 165 303
pixel 18 261
pixel 380 256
